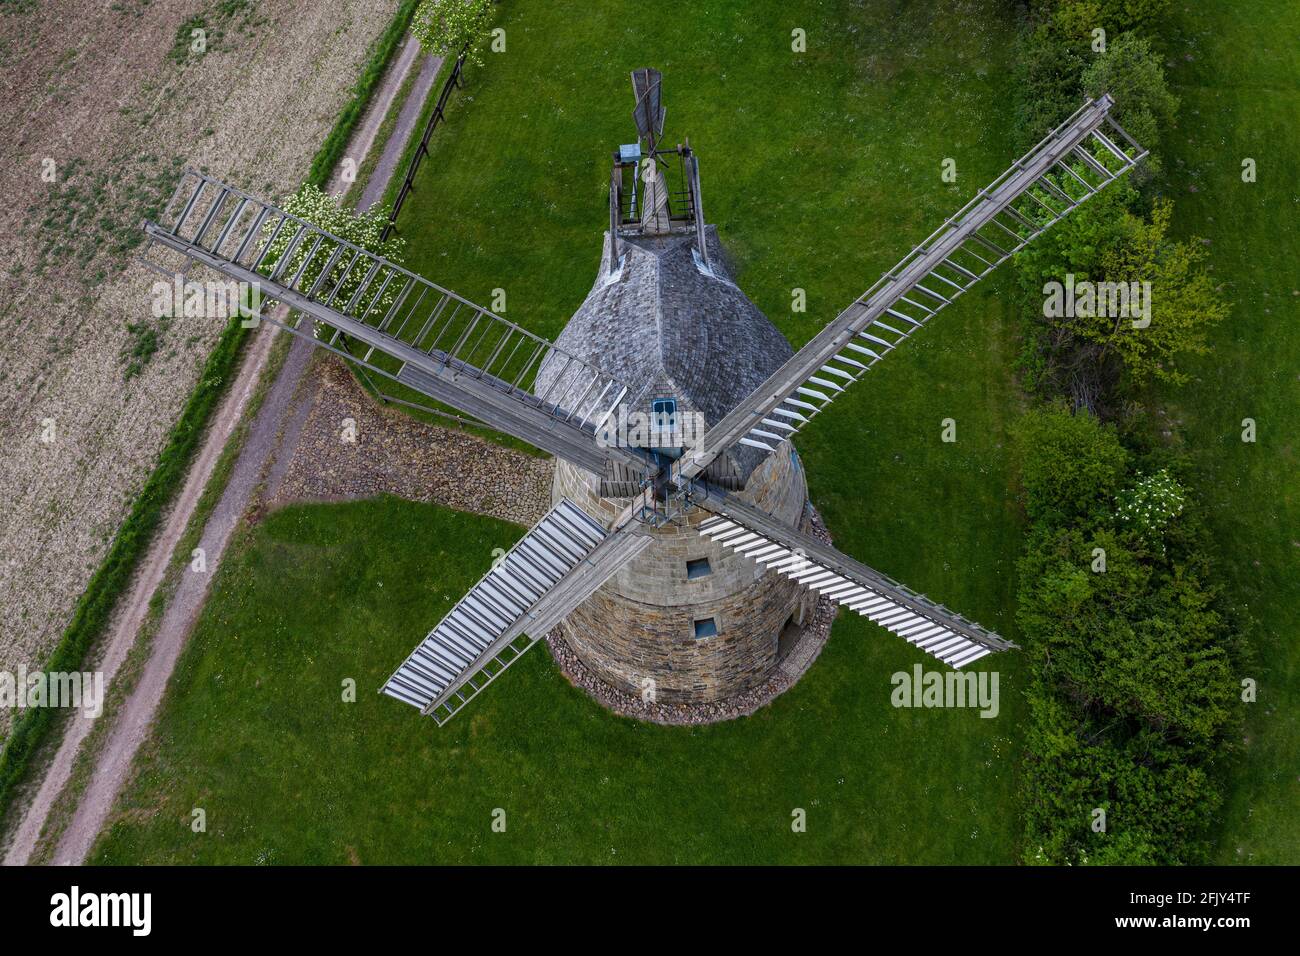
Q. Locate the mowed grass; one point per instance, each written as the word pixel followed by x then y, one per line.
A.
pixel 256 733
pixel 821 170
pixel 1237 75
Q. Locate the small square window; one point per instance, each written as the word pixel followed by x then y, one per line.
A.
pixel 664 414
pixel 698 568
pixel 708 627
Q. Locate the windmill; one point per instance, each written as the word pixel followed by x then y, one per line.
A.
pixel 733 492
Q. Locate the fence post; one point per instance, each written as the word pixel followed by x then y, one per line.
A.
pixel 408 185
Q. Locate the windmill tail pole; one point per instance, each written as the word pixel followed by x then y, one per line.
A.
pixel 697 201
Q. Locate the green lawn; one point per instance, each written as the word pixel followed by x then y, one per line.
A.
pixel 821 170
pixel 1237 72
pixel 256 733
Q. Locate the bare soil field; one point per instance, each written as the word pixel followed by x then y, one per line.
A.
pixel 103 105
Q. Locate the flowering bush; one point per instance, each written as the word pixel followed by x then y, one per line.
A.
pixel 444 27
pixel 1150 505
pixel 363 229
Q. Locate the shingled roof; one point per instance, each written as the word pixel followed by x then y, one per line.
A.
pixel 668 329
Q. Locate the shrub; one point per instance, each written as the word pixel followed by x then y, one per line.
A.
pixel 1077 244
pixel 1105 241
pixel 1116 16
pixel 363 229
pixel 1141 641
pixel 1185 302
pixel 1159 805
pixel 1072 464
pixel 1049 70
pixel 1131 71
pixel 445 27
pixel 1058 69
pixel 1132 697
pixel 1132 694
pixel 1149 506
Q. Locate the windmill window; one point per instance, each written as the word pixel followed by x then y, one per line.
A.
pixel 707 627
pixel 664 411
pixel 698 568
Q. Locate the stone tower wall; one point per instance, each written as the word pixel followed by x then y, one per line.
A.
pixel 641 623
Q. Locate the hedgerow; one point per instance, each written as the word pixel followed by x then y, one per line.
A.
pixel 1132 695
pixel 1133 699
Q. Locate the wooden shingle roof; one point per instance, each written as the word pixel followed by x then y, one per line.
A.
pixel 668 329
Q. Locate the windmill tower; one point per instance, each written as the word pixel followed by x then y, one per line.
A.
pixel 664 316
pixel 663 323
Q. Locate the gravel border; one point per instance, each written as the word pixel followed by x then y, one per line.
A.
pixel 393 453
pixel 784 676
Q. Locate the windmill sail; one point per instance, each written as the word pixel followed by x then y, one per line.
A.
pixel 1072 164
pixel 394 322
pixel 551 570
pixel 933 628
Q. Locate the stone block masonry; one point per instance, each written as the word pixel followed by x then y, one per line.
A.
pixel 641 624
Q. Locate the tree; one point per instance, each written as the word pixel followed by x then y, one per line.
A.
pixel 1077 243
pixel 1131 71
pixel 1103 241
pixel 1117 16
pixel 1050 63
pixel 446 27
pixel 1142 642
pixel 1121 15
pixel 1184 301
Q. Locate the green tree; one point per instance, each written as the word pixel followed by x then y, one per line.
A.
pixel 1141 641
pixel 1131 71
pixel 1050 66
pixel 1103 241
pixel 1078 243
pixel 1122 15
pixel 1185 303
pixel 1116 16
pixel 445 27
pixel 1072 464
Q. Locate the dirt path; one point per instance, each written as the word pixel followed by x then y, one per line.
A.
pixel 132 616
pixel 406 120
pixel 132 725
pixel 363 138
